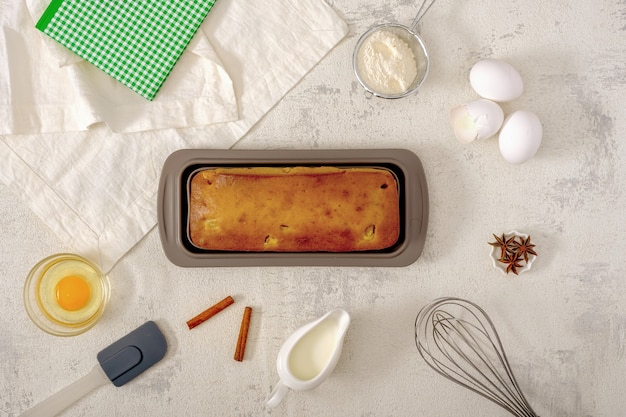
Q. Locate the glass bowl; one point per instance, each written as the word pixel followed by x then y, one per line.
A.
pixel 66 294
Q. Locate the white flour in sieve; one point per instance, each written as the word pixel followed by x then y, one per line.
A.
pixel 386 63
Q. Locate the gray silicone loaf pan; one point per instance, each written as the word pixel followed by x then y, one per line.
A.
pixel 173 201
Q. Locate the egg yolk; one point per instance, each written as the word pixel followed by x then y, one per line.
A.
pixel 73 293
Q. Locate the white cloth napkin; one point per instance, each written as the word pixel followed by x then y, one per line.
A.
pixel 59 91
pixel 85 152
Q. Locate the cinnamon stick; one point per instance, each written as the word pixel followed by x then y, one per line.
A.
pixel 210 312
pixel 243 334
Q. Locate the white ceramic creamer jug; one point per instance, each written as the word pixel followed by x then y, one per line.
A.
pixel 310 355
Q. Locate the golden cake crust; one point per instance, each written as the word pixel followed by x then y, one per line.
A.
pixel 294 209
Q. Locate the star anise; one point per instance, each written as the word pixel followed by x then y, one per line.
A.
pixel 512 261
pixel 515 251
pixel 505 245
pixel 524 247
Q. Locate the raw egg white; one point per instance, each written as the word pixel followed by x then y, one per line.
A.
pixel 478 119
pixel 496 80
pixel 520 136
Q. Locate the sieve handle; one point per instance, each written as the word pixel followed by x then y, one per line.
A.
pixel 426 5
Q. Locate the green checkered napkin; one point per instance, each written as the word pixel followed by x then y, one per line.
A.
pixel 137 42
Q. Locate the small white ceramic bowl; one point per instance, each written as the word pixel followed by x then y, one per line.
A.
pixel 495 255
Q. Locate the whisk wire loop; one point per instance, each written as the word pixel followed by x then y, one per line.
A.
pixel 458 340
pixel 472 352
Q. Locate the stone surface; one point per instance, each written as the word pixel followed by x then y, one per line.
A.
pixel 563 324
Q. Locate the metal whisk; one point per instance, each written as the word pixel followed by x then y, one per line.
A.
pixel 458 340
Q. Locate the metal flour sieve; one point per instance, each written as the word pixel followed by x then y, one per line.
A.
pixel 413 41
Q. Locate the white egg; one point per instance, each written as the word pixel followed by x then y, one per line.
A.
pixel 496 80
pixel 520 136
pixel 478 119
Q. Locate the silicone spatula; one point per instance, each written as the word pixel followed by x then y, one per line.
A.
pixel 118 363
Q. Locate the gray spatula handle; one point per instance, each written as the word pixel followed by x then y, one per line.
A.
pixel 58 402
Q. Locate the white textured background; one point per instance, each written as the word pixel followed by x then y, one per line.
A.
pixel 563 324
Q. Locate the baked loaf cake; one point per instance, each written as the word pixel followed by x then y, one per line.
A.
pixel 294 209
